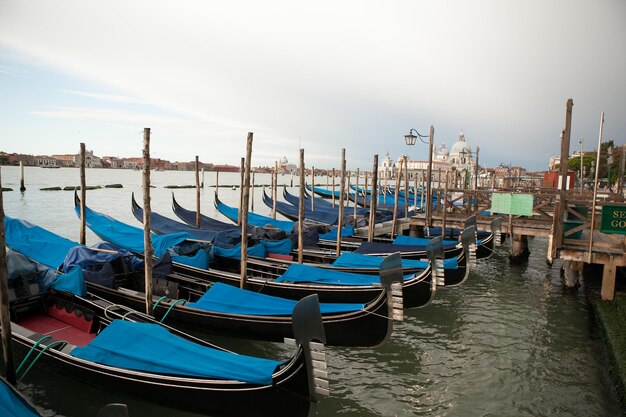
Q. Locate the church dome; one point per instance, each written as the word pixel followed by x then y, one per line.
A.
pixel 460 146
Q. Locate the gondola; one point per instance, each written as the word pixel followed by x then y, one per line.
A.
pixel 456 268
pixel 14 404
pixel 91 340
pixel 416 290
pixel 205 307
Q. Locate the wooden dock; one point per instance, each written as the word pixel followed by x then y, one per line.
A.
pixel 565 218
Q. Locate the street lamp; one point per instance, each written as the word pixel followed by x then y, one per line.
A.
pixel 609 162
pixel 411 139
pixel 581 165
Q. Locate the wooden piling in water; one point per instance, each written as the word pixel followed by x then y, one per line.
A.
pixel 301 210
pixel 333 196
pixel 83 195
pixel 22 187
pixel 445 207
pixel 147 237
pixel 312 188
pixel 342 186
pixel 274 189
pixel 252 194
pixel 217 182
pixel 244 213
pixel 407 196
pixel 5 315
pixel 242 169
pixel 197 192
pixel 356 195
pixel 395 201
pixel 373 201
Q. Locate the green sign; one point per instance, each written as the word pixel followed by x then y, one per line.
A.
pixel 509 203
pixel 613 219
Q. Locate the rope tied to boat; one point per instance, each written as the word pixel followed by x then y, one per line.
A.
pixel 181 300
pixel 61 343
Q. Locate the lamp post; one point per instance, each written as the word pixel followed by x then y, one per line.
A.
pixel 609 162
pixel 411 139
pixel 581 165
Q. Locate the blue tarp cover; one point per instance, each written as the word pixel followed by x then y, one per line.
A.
pixel 307 273
pixel 44 276
pixel 199 260
pixel 37 243
pixel 165 225
pixel 332 235
pixel 235 252
pixel 127 236
pixel 12 405
pixel 225 298
pixel 283 246
pixel 356 260
pixel 151 348
pixel 386 248
pixel 255 219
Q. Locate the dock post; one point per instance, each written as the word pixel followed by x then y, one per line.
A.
pixel 5 316
pixel 395 200
pixel 608 281
pixel 274 189
pixel 407 196
pixel 312 188
pixel 301 210
pixel 333 196
pixel 197 192
pixel 22 187
pixel 245 199
pixel 373 200
pixel 147 238
pixel 252 194
pixel 217 182
pixel 342 185
pixel 242 169
pixel 519 248
pixel 83 195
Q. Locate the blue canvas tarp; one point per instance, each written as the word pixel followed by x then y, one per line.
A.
pixel 386 248
pixel 282 247
pixel 37 243
pixel 225 298
pixel 12 404
pixel 357 260
pixel 43 276
pixel 235 251
pixel 254 218
pixel 151 348
pixel 127 236
pixel 307 273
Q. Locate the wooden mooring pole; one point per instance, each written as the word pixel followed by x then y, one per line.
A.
pixel 83 195
pixel 22 187
pixel 301 211
pixel 217 183
pixel 5 315
pixel 395 200
pixel 342 186
pixel 312 188
pixel 147 238
pixel 274 190
pixel 252 194
pixel 197 192
pixel 406 187
pixel 373 201
pixel 333 196
pixel 242 169
pixel 244 212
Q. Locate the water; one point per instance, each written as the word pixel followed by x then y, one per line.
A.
pixel 508 342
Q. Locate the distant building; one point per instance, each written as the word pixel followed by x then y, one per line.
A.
pixel 45 161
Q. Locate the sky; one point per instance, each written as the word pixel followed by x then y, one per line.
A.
pixel 320 76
